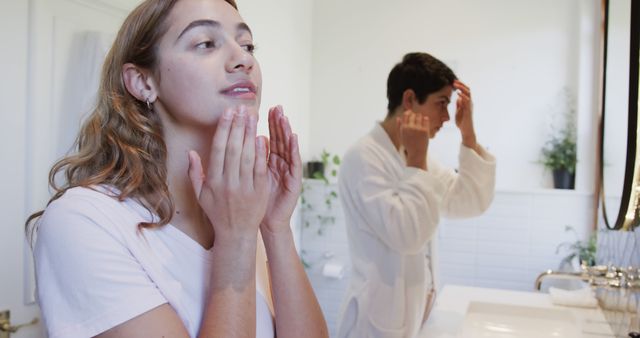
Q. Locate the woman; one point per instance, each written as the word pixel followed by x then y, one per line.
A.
pixel 155 231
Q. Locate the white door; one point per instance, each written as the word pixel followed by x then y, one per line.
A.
pixel 13 119
pixel 50 60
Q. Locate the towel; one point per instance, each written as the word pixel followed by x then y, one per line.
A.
pixel 580 298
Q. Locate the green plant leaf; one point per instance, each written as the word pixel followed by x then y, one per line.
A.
pixel 336 159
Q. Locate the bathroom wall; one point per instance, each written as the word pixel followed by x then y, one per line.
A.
pixel 517 56
pixel 282 34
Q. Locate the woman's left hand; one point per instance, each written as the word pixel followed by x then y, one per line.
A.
pixel 464 114
pixel 284 173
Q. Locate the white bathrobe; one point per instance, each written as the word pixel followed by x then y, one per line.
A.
pixel 392 212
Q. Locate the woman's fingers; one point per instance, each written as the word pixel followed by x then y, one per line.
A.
pixel 234 147
pixel 425 122
pixel 281 141
pixel 273 125
pixel 260 167
pixel 196 174
pixel 219 146
pixel 294 154
pixel 285 128
pixel 248 157
pixel 279 132
pixel 463 88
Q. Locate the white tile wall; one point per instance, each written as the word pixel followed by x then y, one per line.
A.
pixel 507 247
pixel 515 240
pixel 329 247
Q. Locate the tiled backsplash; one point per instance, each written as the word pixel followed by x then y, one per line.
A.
pixel 324 243
pixel 515 240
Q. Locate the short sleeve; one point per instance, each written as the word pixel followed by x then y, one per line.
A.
pixel 87 279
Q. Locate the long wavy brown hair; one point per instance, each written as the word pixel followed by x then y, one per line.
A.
pixel 121 143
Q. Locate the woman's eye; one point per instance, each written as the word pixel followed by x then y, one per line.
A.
pixel 250 48
pixel 205 45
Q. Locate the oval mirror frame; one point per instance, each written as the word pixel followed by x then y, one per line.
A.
pixel 628 216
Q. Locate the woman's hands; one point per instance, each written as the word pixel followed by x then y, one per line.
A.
pixel 243 187
pixel 284 173
pixel 464 114
pixel 234 191
pixel 414 136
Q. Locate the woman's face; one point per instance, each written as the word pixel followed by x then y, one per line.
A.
pixel 206 64
pixel 436 108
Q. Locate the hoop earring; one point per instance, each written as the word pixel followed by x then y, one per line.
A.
pixel 149 105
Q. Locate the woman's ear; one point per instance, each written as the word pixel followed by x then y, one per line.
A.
pixel 139 83
pixel 408 99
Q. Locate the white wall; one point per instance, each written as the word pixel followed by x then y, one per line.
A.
pixel 517 56
pixel 13 108
pixel 282 33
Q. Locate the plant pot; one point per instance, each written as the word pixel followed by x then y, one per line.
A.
pixel 563 179
pixel 314 167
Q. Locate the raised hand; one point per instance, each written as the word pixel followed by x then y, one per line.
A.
pixel 234 191
pixel 414 136
pixel 284 173
pixel 464 114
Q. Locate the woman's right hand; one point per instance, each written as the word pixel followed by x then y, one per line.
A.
pixel 414 136
pixel 234 190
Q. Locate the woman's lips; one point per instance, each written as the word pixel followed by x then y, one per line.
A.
pixel 241 90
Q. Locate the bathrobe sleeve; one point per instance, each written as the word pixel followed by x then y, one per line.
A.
pixel 470 191
pixel 403 209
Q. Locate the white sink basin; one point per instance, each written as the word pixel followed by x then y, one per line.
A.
pixel 494 320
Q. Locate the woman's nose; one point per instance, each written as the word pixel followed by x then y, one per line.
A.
pixel 240 60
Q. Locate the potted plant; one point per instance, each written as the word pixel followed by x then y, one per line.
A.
pixel 317 199
pixel 317 203
pixel 585 251
pixel 316 168
pixel 559 152
pixel 559 155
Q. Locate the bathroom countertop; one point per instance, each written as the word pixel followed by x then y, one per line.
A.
pixel 447 317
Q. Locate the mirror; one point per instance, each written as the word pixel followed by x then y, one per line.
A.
pixel 619 113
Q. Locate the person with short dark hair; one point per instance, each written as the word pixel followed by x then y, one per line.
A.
pixel 393 194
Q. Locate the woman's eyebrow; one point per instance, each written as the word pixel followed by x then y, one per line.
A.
pixel 213 24
pixel 244 27
pixel 205 22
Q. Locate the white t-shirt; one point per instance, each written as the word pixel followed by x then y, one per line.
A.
pixel 95 270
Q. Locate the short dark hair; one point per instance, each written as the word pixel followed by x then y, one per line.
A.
pixel 419 72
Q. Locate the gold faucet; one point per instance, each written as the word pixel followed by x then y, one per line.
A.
pixel 582 276
pixel 597 276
